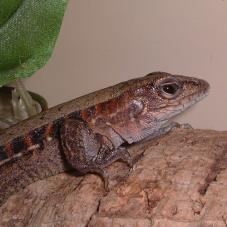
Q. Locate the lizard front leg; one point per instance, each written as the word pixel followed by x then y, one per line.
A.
pixel 87 151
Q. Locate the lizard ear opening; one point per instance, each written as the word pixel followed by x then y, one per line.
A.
pixel 136 106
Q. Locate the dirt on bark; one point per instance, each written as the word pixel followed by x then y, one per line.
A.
pixel 179 180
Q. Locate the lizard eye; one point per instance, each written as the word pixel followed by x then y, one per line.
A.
pixel 169 89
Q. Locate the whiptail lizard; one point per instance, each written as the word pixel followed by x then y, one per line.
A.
pixel 91 130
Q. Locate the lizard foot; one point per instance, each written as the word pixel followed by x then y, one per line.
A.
pixel 90 152
pixel 103 175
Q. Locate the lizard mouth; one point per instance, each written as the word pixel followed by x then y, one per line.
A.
pixel 188 101
pixel 197 96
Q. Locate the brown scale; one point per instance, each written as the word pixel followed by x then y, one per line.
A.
pixel 113 105
pixel 28 141
pixel 48 131
pixel 120 107
pixel 94 111
pixel 91 113
pixel 84 115
pixel 109 107
pixel 9 149
pixel 98 109
pixel 3 154
pixel 105 108
pixel 116 106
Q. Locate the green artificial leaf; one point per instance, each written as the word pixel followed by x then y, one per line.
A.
pixel 28 32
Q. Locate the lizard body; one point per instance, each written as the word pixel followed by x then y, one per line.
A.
pixel 90 130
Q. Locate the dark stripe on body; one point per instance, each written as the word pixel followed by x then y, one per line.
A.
pixel 55 127
pixel 75 115
pixel 18 144
pixel 3 154
pixel 36 137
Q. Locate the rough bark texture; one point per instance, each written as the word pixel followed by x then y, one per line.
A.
pixel 180 181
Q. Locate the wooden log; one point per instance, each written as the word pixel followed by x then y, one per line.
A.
pixel 179 179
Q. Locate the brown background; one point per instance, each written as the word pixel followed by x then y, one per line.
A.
pixel 103 42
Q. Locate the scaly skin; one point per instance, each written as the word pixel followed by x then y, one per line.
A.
pixel 87 133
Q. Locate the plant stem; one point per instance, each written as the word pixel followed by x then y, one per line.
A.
pixel 26 97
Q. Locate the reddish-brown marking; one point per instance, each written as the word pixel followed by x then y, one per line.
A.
pixel 126 97
pixel 105 108
pixel 9 149
pixel 28 141
pixel 113 105
pixel 108 107
pixel 90 113
pixel 84 115
pixel 98 109
pixel 49 130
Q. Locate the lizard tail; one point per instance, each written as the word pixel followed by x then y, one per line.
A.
pixel 30 141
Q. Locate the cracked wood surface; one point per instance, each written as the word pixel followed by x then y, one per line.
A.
pixel 180 181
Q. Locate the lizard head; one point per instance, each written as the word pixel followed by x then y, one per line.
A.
pixel 165 96
pixel 156 98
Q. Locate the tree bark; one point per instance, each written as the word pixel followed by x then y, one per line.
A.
pixel 179 180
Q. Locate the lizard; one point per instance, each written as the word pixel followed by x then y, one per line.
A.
pixel 91 131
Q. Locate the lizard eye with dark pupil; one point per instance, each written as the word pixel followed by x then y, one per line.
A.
pixel 170 89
